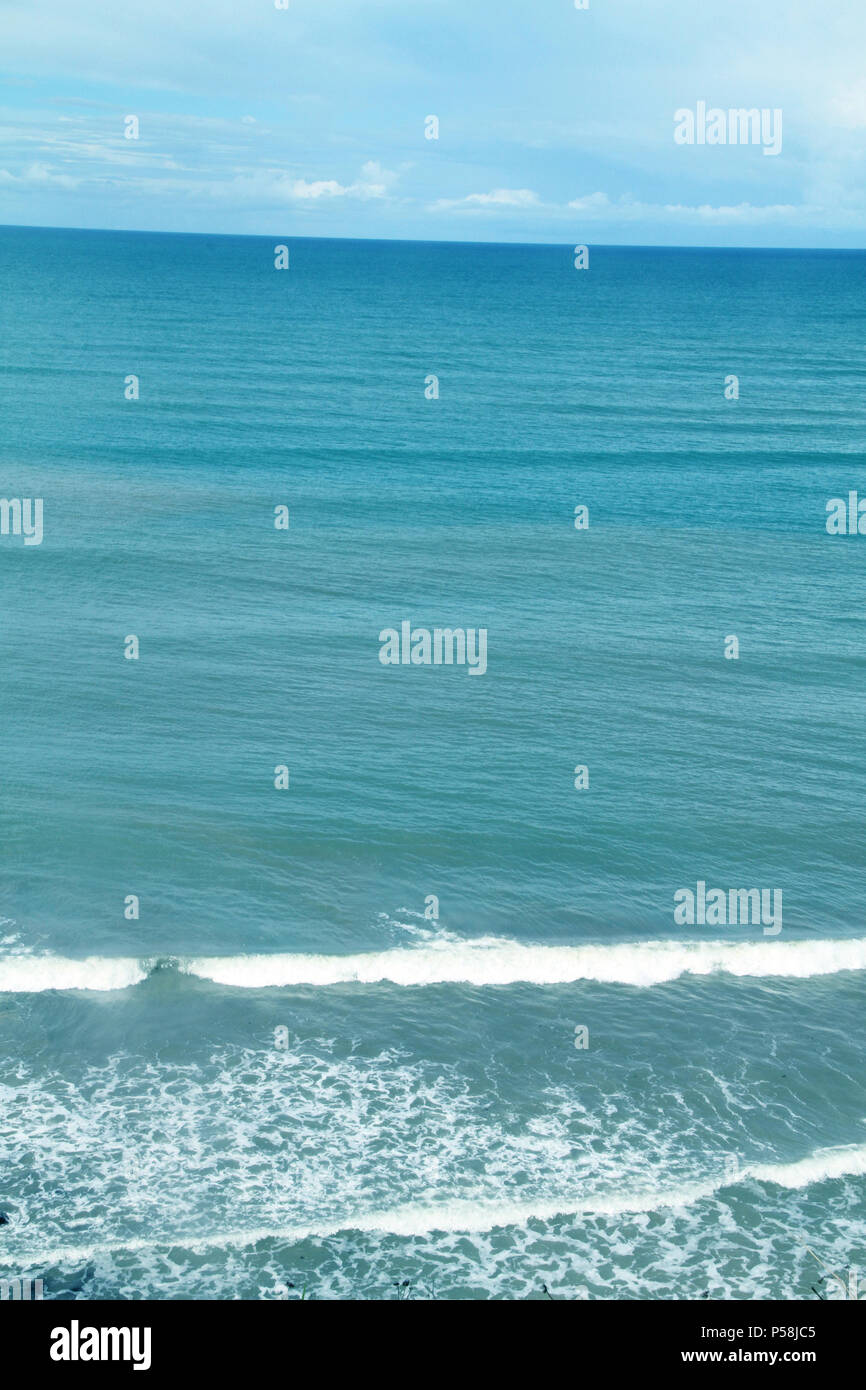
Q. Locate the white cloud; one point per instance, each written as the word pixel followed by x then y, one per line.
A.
pixel 321 188
pixel 373 171
pixel 741 212
pixel 593 202
pixel 848 107
pixel 39 174
pixel 499 198
pixel 625 209
pixel 275 187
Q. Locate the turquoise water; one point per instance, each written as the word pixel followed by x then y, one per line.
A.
pixel 282 1072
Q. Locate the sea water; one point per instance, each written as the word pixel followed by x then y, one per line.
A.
pixel 328 977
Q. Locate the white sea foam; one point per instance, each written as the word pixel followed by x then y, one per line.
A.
pixel 333 1168
pixel 479 961
pixel 478 1217
pixel 822 1166
pixel 32 974
pixel 498 961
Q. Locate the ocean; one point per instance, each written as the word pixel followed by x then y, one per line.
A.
pixel 322 977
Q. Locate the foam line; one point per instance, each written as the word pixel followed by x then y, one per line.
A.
pixel 483 961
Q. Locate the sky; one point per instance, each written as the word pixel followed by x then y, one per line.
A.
pixel 555 124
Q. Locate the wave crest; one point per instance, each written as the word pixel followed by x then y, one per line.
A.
pixel 482 961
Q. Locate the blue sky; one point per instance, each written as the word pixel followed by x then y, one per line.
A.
pixel 556 124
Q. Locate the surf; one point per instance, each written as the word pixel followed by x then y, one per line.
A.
pixel 470 1216
pixel 481 962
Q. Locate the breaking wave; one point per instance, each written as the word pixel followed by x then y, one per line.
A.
pixel 482 961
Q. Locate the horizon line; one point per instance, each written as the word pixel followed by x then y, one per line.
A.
pixel 438 241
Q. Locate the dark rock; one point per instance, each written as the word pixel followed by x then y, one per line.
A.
pixel 4 1219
